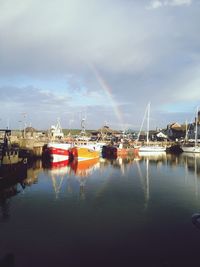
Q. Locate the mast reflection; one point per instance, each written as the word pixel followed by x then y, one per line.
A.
pixel 192 165
pixel 157 158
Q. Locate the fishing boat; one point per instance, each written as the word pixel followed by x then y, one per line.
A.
pixel 96 146
pixel 13 167
pixel 109 151
pixel 147 147
pixel 57 152
pixel 192 147
pixel 9 154
pixel 83 153
pixel 84 141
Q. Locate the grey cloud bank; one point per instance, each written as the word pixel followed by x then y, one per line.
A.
pixel 144 50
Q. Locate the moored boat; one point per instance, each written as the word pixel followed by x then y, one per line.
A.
pixel 147 147
pixel 57 152
pixel 192 147
pixel 153 148
pixel 96 146
pixel 109 151
pixel 82 153
pixel 64 152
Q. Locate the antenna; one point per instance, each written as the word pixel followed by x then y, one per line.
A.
pixel 24 114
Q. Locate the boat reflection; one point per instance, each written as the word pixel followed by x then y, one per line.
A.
pixel 11 183
pixel 58 172
pixel 74 175
pixel 153 156
pixel 84 168
pixel 192 162
pixel 80 170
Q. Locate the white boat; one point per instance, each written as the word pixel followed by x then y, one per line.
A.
pixel 147 147
pixel 192 148
pixel 154 148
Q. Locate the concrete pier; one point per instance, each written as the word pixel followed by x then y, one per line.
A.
pixel 32 147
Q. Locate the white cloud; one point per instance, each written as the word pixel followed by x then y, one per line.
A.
pixel 160 3
pixel 178 2
pixel 155 4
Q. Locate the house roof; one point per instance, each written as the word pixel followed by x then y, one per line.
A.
pixel 30 129
pixel 106 129
pixel 177 127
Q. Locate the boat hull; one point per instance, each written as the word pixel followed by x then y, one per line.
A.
pixel 109 152
pixel 152 149
pixel 58 152
pixel 191 149
pixel 86 154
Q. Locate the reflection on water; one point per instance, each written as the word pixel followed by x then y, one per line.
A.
pixel 11 177
pixel 81 171
pixel 129 211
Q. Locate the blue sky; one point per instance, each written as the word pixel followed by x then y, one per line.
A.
pixel 103 60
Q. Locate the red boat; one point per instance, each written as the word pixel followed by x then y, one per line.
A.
pixel 58 152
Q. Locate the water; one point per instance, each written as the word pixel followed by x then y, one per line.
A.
pixel 125 212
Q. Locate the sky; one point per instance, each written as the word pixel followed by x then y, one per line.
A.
pixel 98 60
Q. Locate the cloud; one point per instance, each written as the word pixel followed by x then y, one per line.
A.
pixel 40 107
pixel 141 54
pixel 39 38
pixel 29 96
pixel 155 4
pixel 67 35
pixel 188 86
pixel 160 3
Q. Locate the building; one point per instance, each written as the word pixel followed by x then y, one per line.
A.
pixel 176 131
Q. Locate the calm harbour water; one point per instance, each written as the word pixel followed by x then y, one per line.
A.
pixel 124 212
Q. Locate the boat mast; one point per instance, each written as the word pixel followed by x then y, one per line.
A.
pixel 148 114
pixel 186 131
pixel 196 127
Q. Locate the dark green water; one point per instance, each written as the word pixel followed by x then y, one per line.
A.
pixel 124 212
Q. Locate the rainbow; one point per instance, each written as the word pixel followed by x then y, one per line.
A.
pixel 107 90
